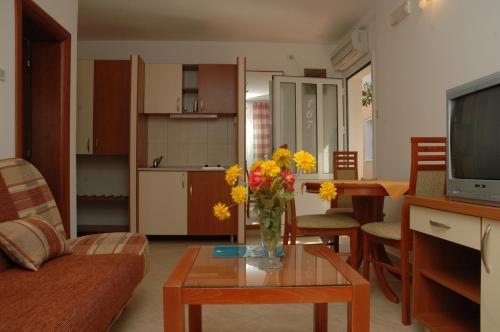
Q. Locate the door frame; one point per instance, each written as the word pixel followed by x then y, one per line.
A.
pixel 50 30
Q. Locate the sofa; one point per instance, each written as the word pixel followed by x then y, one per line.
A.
pixel 85 290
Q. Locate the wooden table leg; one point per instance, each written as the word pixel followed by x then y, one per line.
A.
pixel 320 317
pixel 358 311
pixel 173 310
pixel 195 318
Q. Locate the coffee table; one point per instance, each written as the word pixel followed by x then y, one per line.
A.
pixel 310 274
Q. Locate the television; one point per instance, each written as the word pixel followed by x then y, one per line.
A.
pixel 473 162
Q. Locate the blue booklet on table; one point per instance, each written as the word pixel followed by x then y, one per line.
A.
pixel 255 251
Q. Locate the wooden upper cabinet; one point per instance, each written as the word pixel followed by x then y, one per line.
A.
pixel 204 190
pixel 163 93
pixel 111 107
pixel 85 107
pixel 218 88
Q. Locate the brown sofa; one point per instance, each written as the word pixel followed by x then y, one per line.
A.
pixel 83 291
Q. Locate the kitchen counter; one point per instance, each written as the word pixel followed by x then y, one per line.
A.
pixel 183 169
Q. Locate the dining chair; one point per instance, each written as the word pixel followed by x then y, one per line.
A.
pixel 345 167
pixel 322 225
pixel 427 178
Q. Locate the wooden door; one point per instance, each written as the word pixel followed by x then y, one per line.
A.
pixel 85 107
pixel 218 88
pixel 490 275
pixel 205 190
pixel 111 107
pixel 163 88
pixel 162 203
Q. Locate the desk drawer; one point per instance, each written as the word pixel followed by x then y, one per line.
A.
pixel 454 227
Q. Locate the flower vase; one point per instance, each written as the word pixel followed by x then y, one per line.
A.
pixel 270 235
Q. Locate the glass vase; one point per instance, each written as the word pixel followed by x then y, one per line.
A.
pixel 270 236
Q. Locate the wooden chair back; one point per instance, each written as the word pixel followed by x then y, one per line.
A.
pixel 428 166
pixel 345 167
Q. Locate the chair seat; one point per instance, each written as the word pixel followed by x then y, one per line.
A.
pixel 339 210
pixel 387 229
pixel 327 221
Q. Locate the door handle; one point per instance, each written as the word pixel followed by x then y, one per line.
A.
pixel 438 224
pixel 484 242
pixel 96 147
pixel 178 104
pixel 183 179
pixel 191 190
pixel 88 145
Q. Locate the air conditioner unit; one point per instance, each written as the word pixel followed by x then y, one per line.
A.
pixel 350 50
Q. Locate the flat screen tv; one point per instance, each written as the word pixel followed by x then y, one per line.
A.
pixel 473 165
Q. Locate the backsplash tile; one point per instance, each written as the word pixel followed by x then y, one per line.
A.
pixel 192 142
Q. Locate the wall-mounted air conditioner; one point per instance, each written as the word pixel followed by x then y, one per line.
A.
pixel 350 50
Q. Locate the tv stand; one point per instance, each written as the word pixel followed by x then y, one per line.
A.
pixel 456 270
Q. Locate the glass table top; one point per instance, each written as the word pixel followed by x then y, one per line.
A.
pixel 303 266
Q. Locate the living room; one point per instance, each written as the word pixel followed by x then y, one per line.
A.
pixel 418 50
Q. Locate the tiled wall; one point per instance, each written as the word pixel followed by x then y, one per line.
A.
pixel 192 142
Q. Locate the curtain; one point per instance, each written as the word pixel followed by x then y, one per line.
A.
pixel 261 130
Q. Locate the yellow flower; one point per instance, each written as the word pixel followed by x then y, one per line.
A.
pixel 305 161
pixel 327 191
pixel 239 194
pixel 232 175
pixel 269 168
pixel 283 157
pixel 221 211
pixel 256 164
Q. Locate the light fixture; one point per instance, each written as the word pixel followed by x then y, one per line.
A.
pixel 423 3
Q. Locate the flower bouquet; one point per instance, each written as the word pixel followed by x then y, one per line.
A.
pixel 271 184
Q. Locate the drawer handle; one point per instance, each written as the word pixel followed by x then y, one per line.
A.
pixel 484 241
pixel 438 224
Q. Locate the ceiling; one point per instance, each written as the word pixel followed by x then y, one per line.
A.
pixel 296 21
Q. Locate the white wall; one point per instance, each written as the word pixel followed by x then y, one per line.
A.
pixel 260 56
pixel 66 13
pixel 7 88
pixel 449 43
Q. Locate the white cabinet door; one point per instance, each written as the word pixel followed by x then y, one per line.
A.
pixel 85 107
pixel 163 88
pixel 163 203
pixel 490 276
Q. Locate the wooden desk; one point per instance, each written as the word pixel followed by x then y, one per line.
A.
pixel 310 274
pixel 456 267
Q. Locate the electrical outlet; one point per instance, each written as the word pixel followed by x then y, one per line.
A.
pixel 2 75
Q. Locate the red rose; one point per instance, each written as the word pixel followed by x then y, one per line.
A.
pixel 289 178
pixel 255 181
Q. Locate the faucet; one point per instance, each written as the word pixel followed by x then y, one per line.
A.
pixel 157 161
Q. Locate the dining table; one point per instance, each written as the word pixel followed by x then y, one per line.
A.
pixel 367 195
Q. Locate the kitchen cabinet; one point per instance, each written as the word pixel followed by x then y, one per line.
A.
pixel 490 275
pixel 163 88
pixel 205 190
pixel 85 107
pixel 111 107
pixel 218 88
pixel 163 203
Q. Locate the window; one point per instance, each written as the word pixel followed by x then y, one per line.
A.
pixel 306 112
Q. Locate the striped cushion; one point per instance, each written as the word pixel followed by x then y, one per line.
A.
pixel 110 243
pixel 29 192
pixel 31 241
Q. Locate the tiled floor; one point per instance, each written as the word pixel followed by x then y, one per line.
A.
pixel 144 312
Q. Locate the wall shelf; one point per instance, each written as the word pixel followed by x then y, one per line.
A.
pixel 102 198
pixel 94 229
